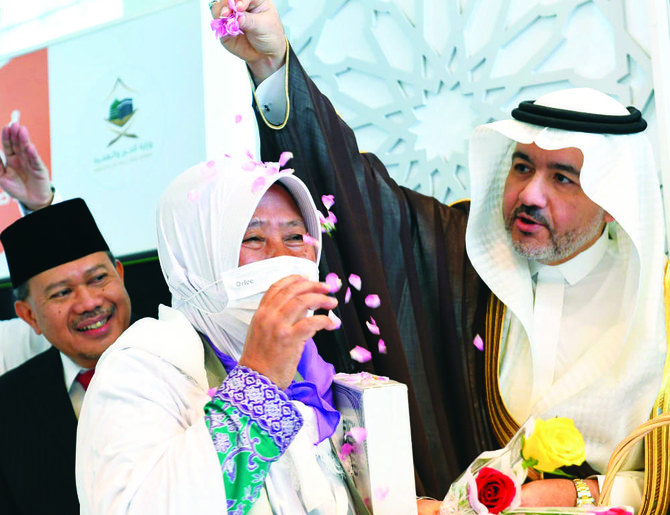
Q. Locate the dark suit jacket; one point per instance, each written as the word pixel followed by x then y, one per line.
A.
pixel 37 439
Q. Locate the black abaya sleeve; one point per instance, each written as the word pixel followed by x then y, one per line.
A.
pixel 410 250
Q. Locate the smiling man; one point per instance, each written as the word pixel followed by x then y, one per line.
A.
pixel 70 289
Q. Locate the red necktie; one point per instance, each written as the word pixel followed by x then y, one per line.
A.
pixel 84 378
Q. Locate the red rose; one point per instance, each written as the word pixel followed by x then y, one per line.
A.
pixel 495 490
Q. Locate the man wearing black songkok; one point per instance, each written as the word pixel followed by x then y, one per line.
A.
pixel 70 289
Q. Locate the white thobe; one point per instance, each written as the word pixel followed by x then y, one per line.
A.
pixel 592 284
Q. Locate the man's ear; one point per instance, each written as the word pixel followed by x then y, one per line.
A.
pixel 25 311
pixel 119 269
pixel 608 218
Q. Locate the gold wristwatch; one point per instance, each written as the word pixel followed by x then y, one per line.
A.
pixel 584 497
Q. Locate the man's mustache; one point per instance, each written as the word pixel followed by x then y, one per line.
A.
pixel 533 212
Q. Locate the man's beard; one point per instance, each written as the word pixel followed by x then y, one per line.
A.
pixel 560 245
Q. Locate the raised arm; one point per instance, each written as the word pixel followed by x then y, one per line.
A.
pixel 24 176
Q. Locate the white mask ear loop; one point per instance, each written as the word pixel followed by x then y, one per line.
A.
pixel 200 292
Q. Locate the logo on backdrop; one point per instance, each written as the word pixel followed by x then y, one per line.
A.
pixel 121 113
pixel 125 143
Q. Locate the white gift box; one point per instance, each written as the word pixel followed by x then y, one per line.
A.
pixel 381 466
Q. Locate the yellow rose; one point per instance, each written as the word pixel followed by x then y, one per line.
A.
pixel 554 443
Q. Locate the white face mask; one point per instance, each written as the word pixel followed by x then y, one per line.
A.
pixel 245 287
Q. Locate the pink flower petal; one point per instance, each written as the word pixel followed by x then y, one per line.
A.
pixel 231 5
pixel 249 166
pixel 355 281
pixel 335 318
pixel 238 118
pixel 360 354
pixel 333 282
pixel 212 392
pixel 381 346
pixel 381 493
pixel 284 158
pixel 359 434
pixel 372 301
pixel 310 241
pixel 258 185
pixel 327 224
pixel 372 328
pixel 328 201
pixel 374 322
pixel 209 170
pixel 346 450
pixel 192 195
pixel 347 295
pixel 478 343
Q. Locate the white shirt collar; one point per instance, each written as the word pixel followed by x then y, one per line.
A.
pixel 70 370
pixel 575 269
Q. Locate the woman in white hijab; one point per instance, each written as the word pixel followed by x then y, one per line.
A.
pixel 197 412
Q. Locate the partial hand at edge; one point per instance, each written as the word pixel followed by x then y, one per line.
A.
pixel 263 45
pixel 280 327
pixel 24 176
pixel 553 492
pixel 428 506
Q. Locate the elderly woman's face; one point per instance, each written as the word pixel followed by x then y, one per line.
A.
pixel 276 229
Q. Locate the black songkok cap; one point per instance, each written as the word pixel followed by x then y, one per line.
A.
pixel 50 237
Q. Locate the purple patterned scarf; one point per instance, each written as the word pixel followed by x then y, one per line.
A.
pixel 314 391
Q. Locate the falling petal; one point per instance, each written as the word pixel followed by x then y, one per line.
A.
pixel 211 392
pixel 328 201
pixel 346 450
pixel 381 346
pixel 355 281
pixel 192 195
pixel 331 218
pixel 372 301
pixel 209 170
pixel 334 318
pixel 372 328
pixel 258 185
pixel 360 354
pixel 284 158
pixel 374 322
pixel 347 295
pixel 310 241
pixel 228 156
pixel 359 434
pixel 381 493
pixel 238 118
pixel 334 282
pixel 327 224
pixel 478 342
pixel 249 166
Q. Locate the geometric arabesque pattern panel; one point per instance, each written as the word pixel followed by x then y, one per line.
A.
pixel 414 77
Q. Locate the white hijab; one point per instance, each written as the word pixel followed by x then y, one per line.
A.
pixel 619 175
pixel 201 221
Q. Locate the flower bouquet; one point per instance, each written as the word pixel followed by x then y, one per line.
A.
pixel 492 483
